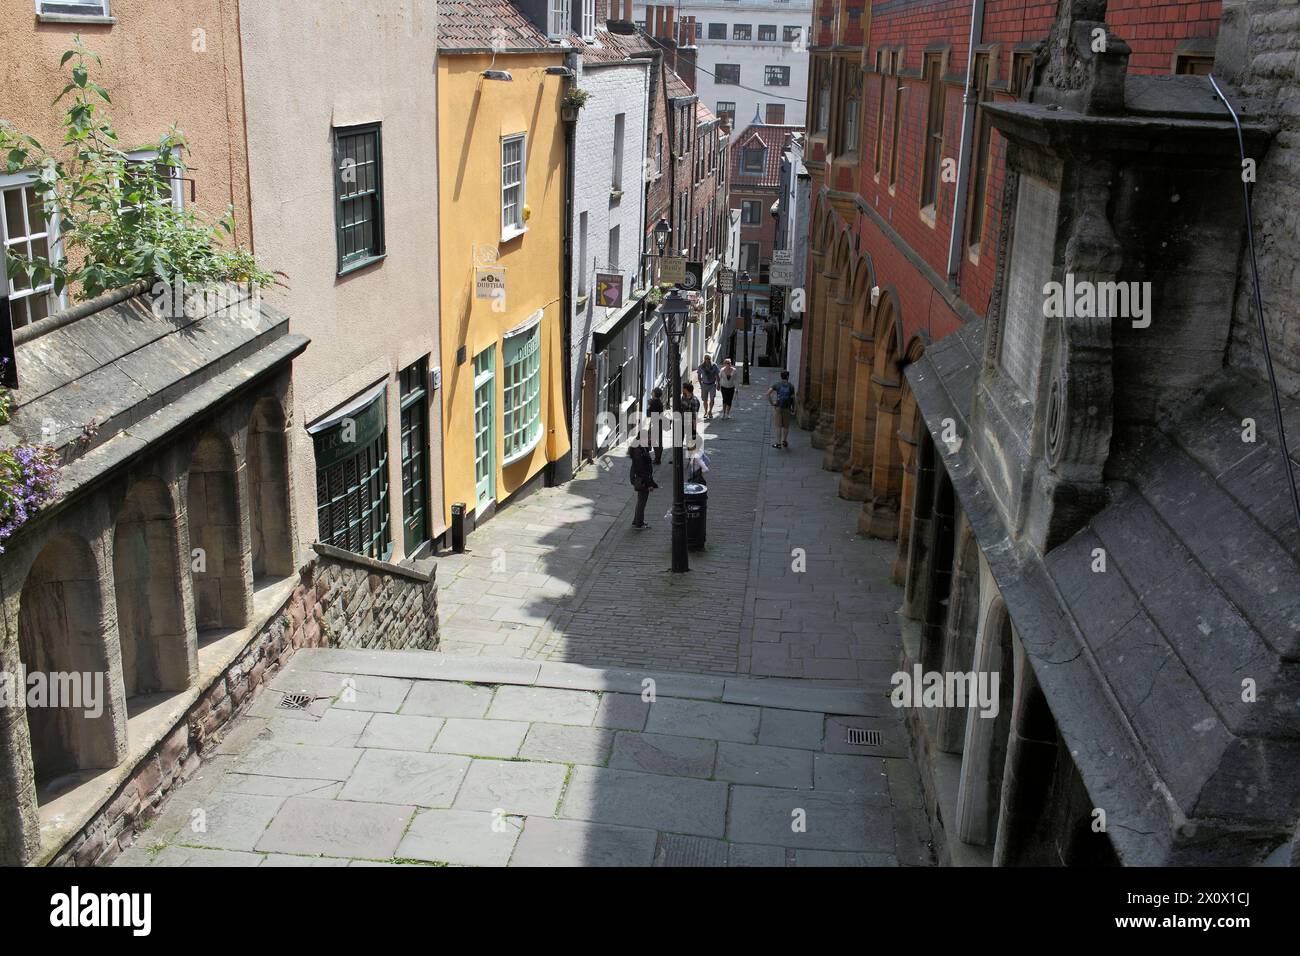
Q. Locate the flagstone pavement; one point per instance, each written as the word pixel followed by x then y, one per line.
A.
pixel 590 708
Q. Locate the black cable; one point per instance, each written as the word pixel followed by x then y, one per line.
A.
pixel 1259 308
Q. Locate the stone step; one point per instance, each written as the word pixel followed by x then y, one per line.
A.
pixel 433 665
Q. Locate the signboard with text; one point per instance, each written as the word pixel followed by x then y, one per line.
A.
pixel 672 269
pixel 782 270
pixel 726 281
pixel 489 283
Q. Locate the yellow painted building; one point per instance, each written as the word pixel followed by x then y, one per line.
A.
pixel 501 155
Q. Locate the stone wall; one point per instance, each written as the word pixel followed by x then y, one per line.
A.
pixel 372 605
pixel 341 600
pixel 1259 51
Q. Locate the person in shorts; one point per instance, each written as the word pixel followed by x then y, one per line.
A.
pixel 727 376
pixel 782 396
pixel 707 374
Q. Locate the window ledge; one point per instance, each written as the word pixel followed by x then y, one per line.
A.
pixel 360 264
pixel 76 18
pixel 928 215
pixel 524 452
pixel 512 234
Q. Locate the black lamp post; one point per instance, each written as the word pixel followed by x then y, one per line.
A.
pixel 749 326
pixel 675 311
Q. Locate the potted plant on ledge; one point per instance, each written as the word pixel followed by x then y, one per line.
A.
pixel 574 100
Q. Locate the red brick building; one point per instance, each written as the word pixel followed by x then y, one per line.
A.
pixel 755 187
pixel 907 196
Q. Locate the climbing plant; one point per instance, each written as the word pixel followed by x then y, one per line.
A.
pixel 117 222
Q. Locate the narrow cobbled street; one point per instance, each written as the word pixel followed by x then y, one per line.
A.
pixel 590 708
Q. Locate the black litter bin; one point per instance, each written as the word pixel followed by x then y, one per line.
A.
pixel 697 515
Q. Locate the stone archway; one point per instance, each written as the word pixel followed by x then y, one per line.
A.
pixel 856 307
pixel 910 426
pixel 834 309
pixel 221 574
pixel 157 654
pixel 960 631
pixel 822 238
pixel 64 645
pixel 268 491
pixel 984 752
pixel 880 512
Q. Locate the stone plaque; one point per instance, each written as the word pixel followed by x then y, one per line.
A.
pixel 1029 269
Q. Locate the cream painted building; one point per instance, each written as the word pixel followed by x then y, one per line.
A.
pixel 343 168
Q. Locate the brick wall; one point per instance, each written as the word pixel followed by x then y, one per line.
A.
pixel 1152 28
pixel 341 600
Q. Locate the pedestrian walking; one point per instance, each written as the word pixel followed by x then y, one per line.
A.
pixel 690 408
pixel 727 383
pixel 655 410
pixel 643 481
pixel 707 373
pixel 782 397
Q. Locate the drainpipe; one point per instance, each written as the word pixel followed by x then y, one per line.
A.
pixel 967 137
pixel 565 473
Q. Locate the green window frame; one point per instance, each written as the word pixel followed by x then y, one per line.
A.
pixel 352 497
pixel 485 431
pixel 358 196
pixel 521 388
pixel 414 400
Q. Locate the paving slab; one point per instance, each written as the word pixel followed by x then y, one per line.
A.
pixel 546 704
pixel 791 728
pixel 447 699
pixel 267 758
pixel 764 766
pixel 227 821
pixel 512 786
pixel 651 801
pixel 335 728
pixel 548 842
pixel 336 828
pixel 691 718
pixel 462 837
pixel 814 821
pixel 622 712
pixel 481 738
pixel 406 778
pixel 368 692
pixel 664 754
pixel 568 744
pixel 400 732
pixel 850 774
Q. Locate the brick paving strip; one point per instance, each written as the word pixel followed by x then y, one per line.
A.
pixel 526 741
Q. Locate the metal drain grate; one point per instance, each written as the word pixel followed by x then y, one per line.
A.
pixel 295 701
pixel 859 737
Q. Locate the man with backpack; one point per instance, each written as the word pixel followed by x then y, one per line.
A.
pixel 782 396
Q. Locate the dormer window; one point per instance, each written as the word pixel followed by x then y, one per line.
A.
pixel 753 159
pixel 560 20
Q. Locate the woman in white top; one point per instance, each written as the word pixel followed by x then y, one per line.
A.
pixel 727 383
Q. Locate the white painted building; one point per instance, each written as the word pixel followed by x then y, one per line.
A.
pixel 608 222
pixel 752 56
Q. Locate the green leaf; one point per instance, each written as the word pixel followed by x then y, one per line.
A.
pixel 66 57
pixel 79 76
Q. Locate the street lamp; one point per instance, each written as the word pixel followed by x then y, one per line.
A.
pixel 749 322
pixel 675 311
pixel 662 232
